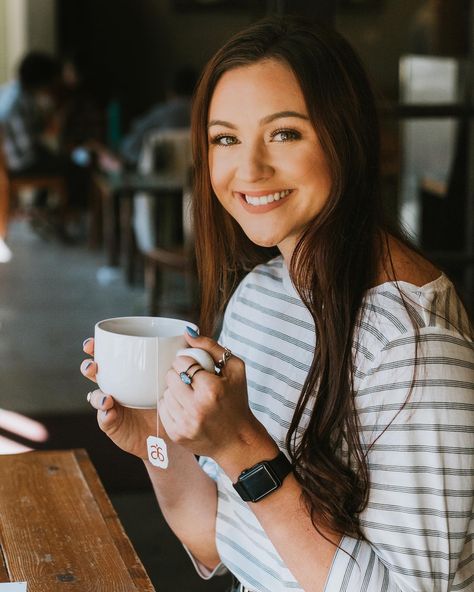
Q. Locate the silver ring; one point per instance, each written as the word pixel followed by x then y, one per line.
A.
pixel 223 361
pixel 196 371
pixel 185 377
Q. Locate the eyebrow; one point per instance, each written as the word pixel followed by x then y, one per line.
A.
pixel 264 120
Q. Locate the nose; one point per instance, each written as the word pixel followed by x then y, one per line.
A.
pixel 253 164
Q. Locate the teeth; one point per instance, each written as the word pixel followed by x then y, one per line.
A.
pixel 266 199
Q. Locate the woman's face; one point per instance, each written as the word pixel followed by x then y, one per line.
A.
pixel 266 163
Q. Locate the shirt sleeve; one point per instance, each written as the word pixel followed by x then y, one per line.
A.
pixel 209 466
pixel 416 426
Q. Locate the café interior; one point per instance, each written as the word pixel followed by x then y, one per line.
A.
pixel 126 247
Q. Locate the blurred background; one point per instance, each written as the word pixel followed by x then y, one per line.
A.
pixel 94 190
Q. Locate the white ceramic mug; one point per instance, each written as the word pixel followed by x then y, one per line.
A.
pixel 133 355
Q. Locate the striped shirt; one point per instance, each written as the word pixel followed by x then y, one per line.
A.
pixel 418 524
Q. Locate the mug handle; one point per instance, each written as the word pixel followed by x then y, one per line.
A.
pixel 200 356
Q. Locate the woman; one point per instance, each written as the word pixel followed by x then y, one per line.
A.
pixel 351 353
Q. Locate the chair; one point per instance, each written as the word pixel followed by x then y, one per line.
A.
pixel 168 246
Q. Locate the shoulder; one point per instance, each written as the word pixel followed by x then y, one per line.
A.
pixel 403 264
pixel 399 319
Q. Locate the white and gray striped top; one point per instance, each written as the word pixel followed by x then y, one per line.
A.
pixel 418 523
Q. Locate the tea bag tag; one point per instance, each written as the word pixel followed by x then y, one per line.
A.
pixel 157 452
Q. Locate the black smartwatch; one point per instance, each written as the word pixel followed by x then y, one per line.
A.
pixel 263 478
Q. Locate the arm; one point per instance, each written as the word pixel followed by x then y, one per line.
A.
pixel 211 419
pixel 417 519
pixel 186 495
pixel 188 500
pixel 283 515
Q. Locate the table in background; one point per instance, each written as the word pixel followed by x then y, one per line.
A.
pixel 59 530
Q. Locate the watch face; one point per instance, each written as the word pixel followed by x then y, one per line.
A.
pixel 259 482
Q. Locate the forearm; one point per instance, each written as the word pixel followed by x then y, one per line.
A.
pixel 283 516
pixel 188 500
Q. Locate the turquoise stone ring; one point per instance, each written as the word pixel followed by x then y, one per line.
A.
pixel 185 377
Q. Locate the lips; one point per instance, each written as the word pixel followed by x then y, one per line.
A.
pixel 260 202
pixel 264 199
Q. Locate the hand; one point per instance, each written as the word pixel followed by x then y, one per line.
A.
pixel 127 428
pixel 211 415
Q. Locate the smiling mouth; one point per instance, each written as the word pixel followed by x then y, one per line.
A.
pixel 263 200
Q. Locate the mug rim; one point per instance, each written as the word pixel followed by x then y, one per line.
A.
pixel 98 326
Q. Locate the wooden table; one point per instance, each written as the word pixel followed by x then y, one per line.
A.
pixel 59 530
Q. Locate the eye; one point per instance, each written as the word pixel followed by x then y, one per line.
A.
pixel 224 140
pixel 285 135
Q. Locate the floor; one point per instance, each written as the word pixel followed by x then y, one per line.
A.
pixel 51 296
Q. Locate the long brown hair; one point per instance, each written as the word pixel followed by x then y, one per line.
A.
pixel 335 261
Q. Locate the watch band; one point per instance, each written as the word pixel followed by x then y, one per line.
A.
pixel 258 481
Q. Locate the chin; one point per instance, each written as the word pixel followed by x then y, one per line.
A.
pixel 262 241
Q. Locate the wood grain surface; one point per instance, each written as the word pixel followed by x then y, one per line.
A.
pixel 58 529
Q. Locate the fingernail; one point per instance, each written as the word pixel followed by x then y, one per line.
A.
pixel 192 332
pixel 87 365
pixel 89 395
pixel 104 413
pixel 86 341
pixel 104 399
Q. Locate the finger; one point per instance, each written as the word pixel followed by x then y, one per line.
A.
pixel 89 369
pixel 88 346
pixel 100 400
pixel 106 418
pixel 173 404
pixel 184 363
pixel 177 389
pixel 213 348
pixel 206 343
pixel 166 418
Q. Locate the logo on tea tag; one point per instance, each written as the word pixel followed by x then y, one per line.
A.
pixel 157 452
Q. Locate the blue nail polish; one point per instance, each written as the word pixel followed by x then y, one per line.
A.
pixel 104 399
pixel 86 341
pixel 87 365
pixel 192 332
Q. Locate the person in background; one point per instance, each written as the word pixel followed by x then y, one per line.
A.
pixel 30 122
pixel 30 127
pixel 9 92
pixel 174 113
pixel 335 442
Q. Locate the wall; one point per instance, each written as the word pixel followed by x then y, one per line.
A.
pixel 137 44
pixel 13 36
pixel 380 34
pixel 24 25
pixel 41 25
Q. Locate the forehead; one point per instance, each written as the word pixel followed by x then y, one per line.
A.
pixel 265 86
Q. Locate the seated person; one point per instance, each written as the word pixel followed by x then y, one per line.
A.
pixel 38 141
pixel 173 114
pixel 29 124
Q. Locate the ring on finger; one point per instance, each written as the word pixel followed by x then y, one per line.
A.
pixel 185 377
pixel 196 371
pixel 223 361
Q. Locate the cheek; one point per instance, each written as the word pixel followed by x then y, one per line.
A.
pixel 316 172
pixel 218 171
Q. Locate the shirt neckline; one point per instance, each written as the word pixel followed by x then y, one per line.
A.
pixel 437 284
